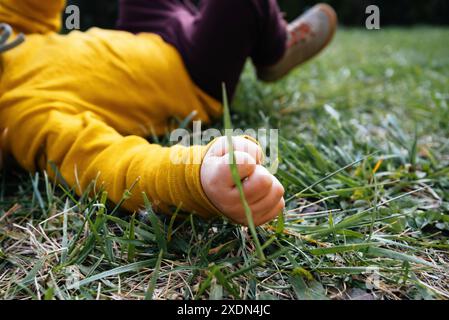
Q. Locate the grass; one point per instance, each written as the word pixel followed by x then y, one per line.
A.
pixel 364 157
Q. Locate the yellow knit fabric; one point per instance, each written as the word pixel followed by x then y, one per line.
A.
pixel 85 100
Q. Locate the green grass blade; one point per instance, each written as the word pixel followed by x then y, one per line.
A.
pixel 381 252
pixel 330 176
pixel 343 248
pixel 236 177
pixel 156 224
pixel 154 277
pixel 131 237
pixel 133 267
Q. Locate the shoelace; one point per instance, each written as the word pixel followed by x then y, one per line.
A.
pixel 5 34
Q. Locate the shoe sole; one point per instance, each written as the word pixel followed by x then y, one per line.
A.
pixel 332 15
pixel 333 25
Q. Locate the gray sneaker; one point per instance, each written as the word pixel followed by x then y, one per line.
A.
pixel 308 35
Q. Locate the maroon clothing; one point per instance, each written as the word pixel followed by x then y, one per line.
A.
pixel 215 38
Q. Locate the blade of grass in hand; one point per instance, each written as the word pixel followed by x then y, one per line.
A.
pixel 236 176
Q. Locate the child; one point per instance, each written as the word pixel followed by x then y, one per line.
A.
pixel 84 101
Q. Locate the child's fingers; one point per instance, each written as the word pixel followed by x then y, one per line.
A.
pixel 248 146
pixel 221 147
pixel 262 191
pixel 268 202
pixel 246 165
pixel 272 214
pixel 258 185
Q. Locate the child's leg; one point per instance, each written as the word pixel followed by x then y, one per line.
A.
pixel 214 40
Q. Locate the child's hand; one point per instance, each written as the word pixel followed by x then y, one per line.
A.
pixel 263 191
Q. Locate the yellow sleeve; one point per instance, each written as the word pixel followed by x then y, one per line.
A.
pixel 32 16
pixel 84 148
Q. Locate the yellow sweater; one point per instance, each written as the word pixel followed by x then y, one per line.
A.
pixel 85 100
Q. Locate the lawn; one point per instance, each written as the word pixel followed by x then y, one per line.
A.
pixel 364 157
